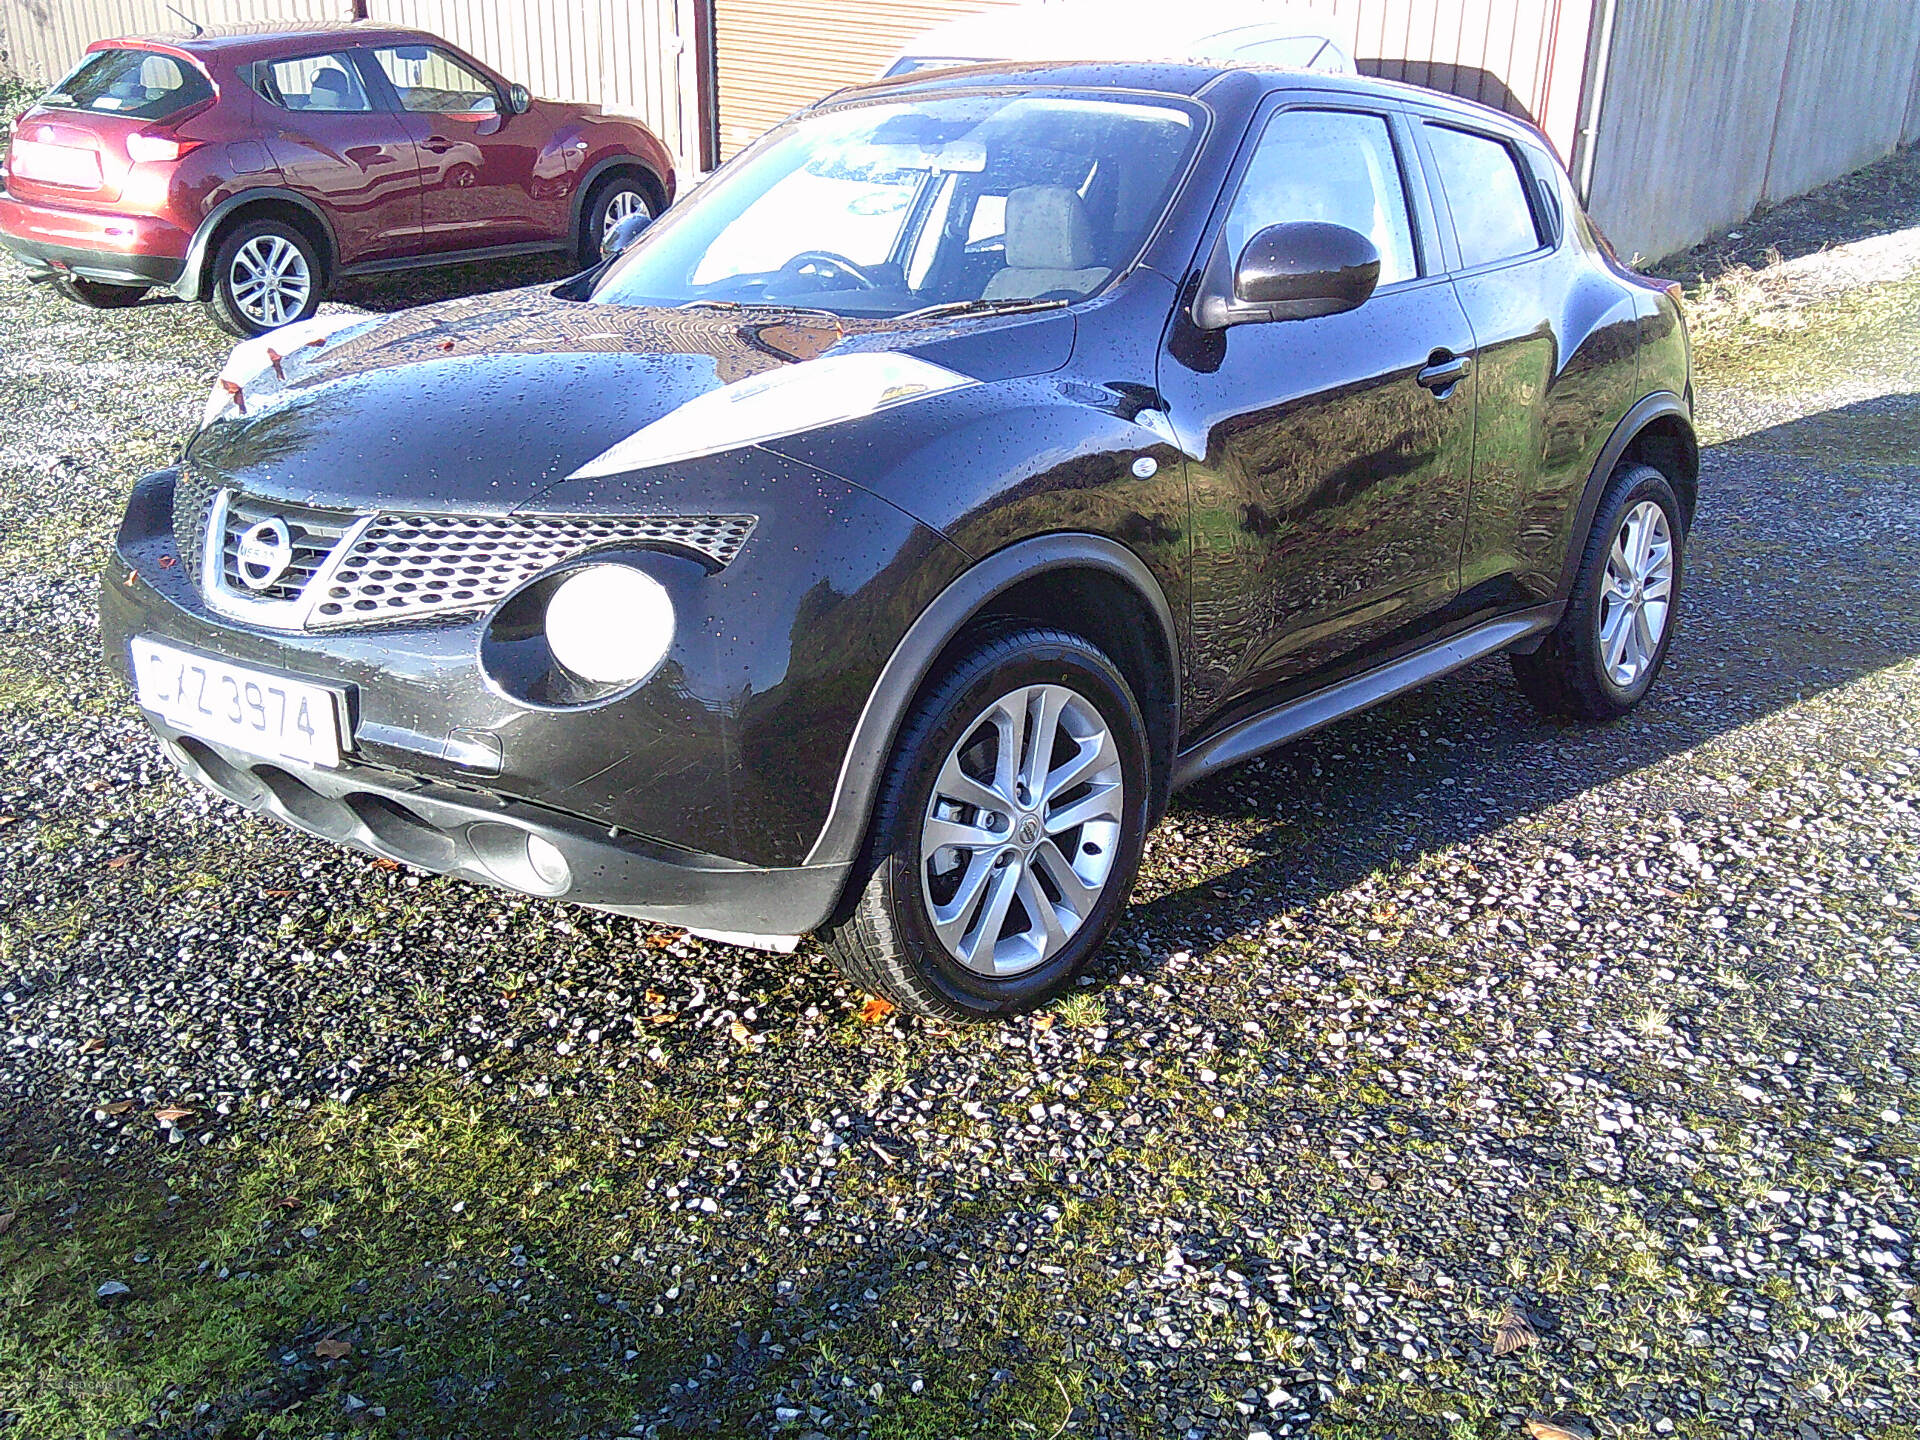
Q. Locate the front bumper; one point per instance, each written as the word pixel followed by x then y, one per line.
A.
pixel 470 833
pixel 440 771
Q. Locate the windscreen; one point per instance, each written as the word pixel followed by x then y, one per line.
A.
pixel 142 84
pixel 880 210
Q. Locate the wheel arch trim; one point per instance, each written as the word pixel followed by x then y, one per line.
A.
pixel 913 659
pixel 1662 404
pixel 196 273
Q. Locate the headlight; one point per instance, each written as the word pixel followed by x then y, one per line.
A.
pixel 787 401
pixel 610 624
pixel 258 367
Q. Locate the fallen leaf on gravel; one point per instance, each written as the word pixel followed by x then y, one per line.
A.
pixel 662 942
pixel 117 1107
pixel 6 1220
pixel 875 1010
pixel 288 1202
pixel 654 997
pixel 666 1019
pixel 1043 1022
pixel 332 1349
pixel 93 1046
pixel 742 1033
pixel 121 861
pixel 9 819
pixel 277 894
pixel 1514 1333
pixel 1547 1430
pixel 171 1114
pixel 380 862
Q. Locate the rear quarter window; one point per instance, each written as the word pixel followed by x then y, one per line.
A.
pixel 1493 217
pixel 143 84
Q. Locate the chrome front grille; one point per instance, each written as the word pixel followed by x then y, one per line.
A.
pixel 192 498
pixel 315 533
pixel 353 570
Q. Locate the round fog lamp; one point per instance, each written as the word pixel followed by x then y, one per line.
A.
pixel 548 863
pixel 610 624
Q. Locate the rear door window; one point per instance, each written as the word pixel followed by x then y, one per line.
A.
pixel 1492 218
pixel 143 84
pixel 327 83
pixel 432 82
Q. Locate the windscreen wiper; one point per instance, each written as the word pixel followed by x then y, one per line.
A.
pixel 731 305
pixel 981 307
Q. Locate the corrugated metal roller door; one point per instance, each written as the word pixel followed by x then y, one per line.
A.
pixel 774 56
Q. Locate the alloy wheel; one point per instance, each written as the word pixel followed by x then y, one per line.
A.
pixel 620 205
pixel 1021 830
pixel 1636 596
pixel 270 280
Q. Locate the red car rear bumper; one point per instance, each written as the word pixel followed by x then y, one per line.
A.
pixel 93 244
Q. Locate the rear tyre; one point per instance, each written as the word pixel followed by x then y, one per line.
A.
pixel 265 274
pixel 97 294
pixel 613 199
pixel 1007 833
pixel 1602 658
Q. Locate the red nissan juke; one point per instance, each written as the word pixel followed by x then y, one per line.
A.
pixel 251 168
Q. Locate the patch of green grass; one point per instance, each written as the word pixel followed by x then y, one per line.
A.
pixel 443 1238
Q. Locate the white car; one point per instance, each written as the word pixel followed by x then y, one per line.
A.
pixel 1235 34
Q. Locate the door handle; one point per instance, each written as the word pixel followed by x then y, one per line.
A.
pixel 438 146
pixel 1444 371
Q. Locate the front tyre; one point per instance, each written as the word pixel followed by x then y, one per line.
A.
pixel 1601 659
pixel 1007 833
pixel 265 274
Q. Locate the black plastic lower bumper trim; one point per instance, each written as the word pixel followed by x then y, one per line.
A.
pixel 111 267
pixel 513 845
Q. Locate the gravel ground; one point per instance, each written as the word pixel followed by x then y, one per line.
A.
pixel 1452 1069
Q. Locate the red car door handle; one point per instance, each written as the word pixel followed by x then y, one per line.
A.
pixel 439 146
pixel 1444 371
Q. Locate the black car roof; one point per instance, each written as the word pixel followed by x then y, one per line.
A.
pixel 1190 79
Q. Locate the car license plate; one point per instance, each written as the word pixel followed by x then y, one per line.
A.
pixel 67 165
pixel 264 714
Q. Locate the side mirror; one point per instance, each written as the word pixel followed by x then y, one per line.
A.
pixel 1295 271
pixel 622 236
pixel 519 99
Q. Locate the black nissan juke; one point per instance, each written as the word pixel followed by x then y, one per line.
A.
pixel 875 544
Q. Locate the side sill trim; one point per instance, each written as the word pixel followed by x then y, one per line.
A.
pixel 1308 713
pixel 433 259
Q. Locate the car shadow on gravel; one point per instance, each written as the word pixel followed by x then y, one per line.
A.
pixel 402 290
pixel 1449 763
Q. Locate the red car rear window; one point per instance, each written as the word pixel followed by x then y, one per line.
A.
pixel 142 84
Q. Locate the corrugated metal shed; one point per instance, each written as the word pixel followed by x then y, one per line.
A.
pixel 1712 107
pixel 776 56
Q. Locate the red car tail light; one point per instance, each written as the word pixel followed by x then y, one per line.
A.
pixel 143 147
